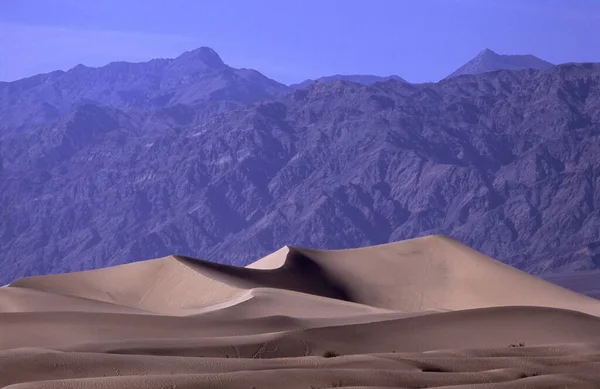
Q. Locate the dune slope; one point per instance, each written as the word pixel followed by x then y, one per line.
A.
pixel 427 312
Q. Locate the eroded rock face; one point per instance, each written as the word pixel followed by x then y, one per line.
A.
pixel 506 162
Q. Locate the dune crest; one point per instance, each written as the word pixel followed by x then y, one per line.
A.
pixel 423 274
pixel 430 273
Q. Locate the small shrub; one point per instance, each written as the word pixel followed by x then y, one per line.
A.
pixel 432 369
pixel 525 375
pixel 330 354
pixel 339 384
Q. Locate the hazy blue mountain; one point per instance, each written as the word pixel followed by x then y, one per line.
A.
pixel 507 162
pixel 191 78
pixel 489 61
pixel 363 79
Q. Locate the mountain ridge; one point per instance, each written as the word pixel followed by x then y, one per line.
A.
pixel 364 79
pixel 191 78
pixel 489 61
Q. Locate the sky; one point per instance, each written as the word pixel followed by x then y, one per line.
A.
pixel 292 40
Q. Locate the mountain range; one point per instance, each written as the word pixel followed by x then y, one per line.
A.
pixel 103 166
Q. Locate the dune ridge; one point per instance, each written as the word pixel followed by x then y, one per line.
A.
pixel 427 311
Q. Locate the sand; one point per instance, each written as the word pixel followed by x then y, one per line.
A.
pixel 428 312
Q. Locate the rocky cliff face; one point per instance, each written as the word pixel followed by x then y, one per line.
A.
pixel 506 162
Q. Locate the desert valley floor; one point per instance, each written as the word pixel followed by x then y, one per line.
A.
pixel 422 313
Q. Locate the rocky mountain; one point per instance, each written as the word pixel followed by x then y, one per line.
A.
pixel 191 78
pixel 364 79
pixel 507 162
pixel 489 61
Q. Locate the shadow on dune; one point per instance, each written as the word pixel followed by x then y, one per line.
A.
pixel 299 273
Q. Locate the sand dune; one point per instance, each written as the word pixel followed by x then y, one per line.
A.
pixel 427 312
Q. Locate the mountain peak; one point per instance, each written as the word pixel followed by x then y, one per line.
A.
pixel 203 54
pixel 79 67
pixel 488 61
pixel 487 51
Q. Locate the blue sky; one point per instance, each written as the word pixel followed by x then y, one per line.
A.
pixel 291 40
